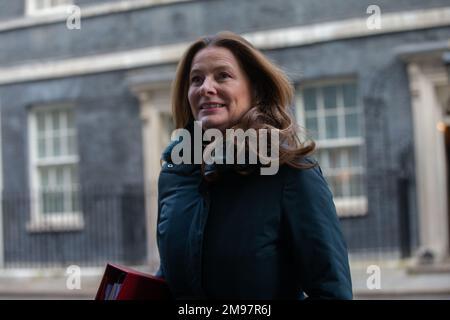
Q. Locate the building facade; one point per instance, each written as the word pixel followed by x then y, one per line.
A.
pixel 85 114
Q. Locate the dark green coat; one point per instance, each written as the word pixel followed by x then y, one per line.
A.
pixel 250 237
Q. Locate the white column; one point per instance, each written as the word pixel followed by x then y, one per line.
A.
pixel 153 104
pixel 431 177
pixel 2 248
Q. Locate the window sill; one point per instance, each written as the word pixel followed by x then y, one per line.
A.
pixel 351 207
pixel 59 10
pixel 56 223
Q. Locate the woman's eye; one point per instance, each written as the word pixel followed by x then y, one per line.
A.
pixel 196 79
pixel 224 75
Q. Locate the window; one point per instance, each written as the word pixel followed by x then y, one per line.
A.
pixel 54 169
pixel 332 116
pixel 46 6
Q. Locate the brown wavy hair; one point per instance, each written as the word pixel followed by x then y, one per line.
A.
pixel 272 96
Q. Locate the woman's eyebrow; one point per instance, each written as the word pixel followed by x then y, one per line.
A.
pixel 215 68
pixel 224 67
pixel 193 71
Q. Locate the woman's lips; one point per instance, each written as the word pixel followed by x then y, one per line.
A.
pixel 211 105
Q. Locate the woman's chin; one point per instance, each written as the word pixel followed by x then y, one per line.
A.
pixel 213 123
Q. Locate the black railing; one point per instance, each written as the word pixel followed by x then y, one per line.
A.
pixel 385 230
pixel 111 227
pixel 108 227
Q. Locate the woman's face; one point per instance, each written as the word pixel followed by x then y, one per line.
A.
pixel 219 90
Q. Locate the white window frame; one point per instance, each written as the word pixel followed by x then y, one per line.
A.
pixel 345 206
pixel 31 8
pixel 40 222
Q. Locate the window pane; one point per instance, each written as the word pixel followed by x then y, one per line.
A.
pixel 75 203
pixel 45 202
pixel 59 201
pixel 60 176
pixel 322 158
pixel 40 4
pixel 40 123
pixel 55 120
pixel 335 186
pixel 331 126
pixel 52 198
pixel 349 92
pixel 352 125
pixel 356 185
pixel 73 175
pixel 309 99
pixel 71 148
pixel 355 157
pixel 57 126
pixel 52 191
pixel 55 201
pixel 336 158
pixel 56 132
pixel 75 206
pixel 44 179
pixel 330 97
pixel 70 119
pixel 342 179
pixel 312 126
pixel 56 145
pixel 41 147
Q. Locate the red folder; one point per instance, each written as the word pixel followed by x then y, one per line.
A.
pixel 122 283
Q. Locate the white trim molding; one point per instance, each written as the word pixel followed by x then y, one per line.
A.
pixel 351 28
pixel 93 64
pixel 154 102
pixel 351 206
pixel 56 221
pixel 46 7
pixel 61 14
pixel 272 39
pixel 425 78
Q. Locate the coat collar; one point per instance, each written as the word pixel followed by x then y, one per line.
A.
pixel 208 168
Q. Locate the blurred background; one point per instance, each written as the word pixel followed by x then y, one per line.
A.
pixel 85 113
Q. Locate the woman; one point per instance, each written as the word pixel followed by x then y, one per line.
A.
pixel 227 231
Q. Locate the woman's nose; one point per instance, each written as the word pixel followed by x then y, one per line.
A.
pixel 208 87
